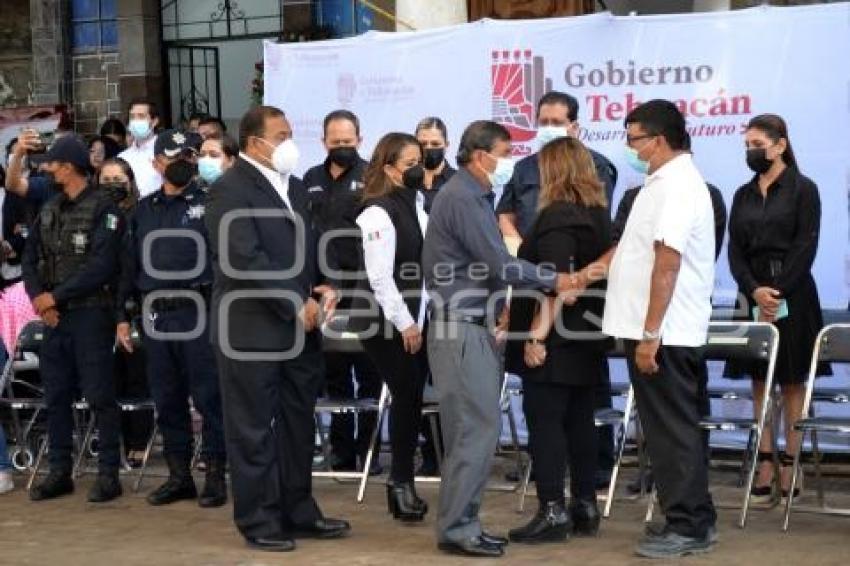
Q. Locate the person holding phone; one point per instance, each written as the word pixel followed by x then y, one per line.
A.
pixel 774 226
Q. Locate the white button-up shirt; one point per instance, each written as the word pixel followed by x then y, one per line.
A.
pixel 379 256
pixel 674 208
pixel 278 181
pixel 140 158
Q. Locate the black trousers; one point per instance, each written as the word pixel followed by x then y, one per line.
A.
pixel 670 404
pixel 270 429
pixel 560 429
pixel 345 444
pixel 176 370
pixel 405 376
pixel 605 434
pixel 78 354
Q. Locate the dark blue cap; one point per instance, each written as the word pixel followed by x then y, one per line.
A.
pixel 69 149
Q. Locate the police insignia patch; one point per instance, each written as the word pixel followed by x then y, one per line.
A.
pixel 111 222
pixel 196 211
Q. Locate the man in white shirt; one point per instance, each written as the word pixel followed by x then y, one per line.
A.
pixel 144 119
pixel 660 280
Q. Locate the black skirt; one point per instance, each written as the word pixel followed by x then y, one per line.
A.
pixel 797 334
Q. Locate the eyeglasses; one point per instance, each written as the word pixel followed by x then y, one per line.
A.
pixel 631 139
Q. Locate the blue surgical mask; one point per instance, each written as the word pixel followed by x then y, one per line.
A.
pixel 545 134
pixel 210 168
pixel 503 173
pixel 140 129
pixel 636 162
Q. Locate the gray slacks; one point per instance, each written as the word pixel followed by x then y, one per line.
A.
pixel 467 372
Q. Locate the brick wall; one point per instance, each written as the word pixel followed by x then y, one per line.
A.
pixel 95 90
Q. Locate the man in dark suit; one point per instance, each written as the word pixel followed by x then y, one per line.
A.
pixel 264 325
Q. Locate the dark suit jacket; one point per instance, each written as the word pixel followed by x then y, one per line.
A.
pixel 255 244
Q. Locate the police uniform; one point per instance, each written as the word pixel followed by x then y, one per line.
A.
pixel 334 204
pixel 178 367
pixel 73 254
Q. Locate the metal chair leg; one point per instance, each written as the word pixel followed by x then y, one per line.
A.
pixel 650 508
pixel 367 464
pixel 794 472
pixel 526 480
pixel 84 443
pixel 144 465
pixel 42 449
pixel 818 475
pixel 621 445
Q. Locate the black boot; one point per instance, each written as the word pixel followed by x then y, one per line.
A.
pixel 179 485
pixel 56 484
pixel 214 493
pixel 106 488
pixel 585 517
pixel 551 524
pixel 403 503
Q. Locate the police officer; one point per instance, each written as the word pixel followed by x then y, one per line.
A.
pixel 174 305
pixel 335 193
pixel 70 268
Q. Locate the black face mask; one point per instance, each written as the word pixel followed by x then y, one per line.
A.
pixel 413 177
pixel 757 160
pixel 116 191
pixel 434 157
pixel 346 157
pixel 180 172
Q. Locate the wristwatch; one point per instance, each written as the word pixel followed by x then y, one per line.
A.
pixel 649 335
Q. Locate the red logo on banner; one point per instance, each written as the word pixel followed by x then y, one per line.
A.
pixel 518 83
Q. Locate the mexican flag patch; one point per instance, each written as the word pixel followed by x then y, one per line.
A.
pixel 111 222
pixel 372 236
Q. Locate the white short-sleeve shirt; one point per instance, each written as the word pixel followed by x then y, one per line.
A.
pixel 140 159
pixel 674 208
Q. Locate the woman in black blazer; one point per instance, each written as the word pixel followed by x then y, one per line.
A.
pixel 393 222
pixel 564 356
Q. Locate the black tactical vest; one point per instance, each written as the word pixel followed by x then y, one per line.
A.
pixel 67 228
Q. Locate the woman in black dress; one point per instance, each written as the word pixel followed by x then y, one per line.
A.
pixel 774 225
pixel 564 358
pixel 393 223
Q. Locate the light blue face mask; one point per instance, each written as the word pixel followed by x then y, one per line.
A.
pixel 503 173
pixel 139 129
pixel 209 168
pixel 545 134
pixel 636 162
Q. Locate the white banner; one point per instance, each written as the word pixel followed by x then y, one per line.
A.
pixel 722 68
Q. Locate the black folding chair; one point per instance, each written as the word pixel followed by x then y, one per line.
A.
pixel 832 345
pixel 744 341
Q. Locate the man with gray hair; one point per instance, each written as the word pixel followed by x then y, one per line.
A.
pixel 467 271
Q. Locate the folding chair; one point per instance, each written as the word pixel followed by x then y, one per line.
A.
pixel 832 345
pixel 25 399
pixel 745 341
pixel 337 339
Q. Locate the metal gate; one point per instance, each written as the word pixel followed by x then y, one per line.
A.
pixel 194 81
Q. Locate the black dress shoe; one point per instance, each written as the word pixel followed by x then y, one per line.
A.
pixel 494 539
pixel 585 517
pixel 552 523
pixel 106 488
pixel 271 544
pixel 475 546
pixel 179 484
pixel 56 484
pixel 214 493
pixel 323 528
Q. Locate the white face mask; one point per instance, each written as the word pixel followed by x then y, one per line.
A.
pixel 284 157
pixel 545 134
pixel 503 173
pixel 210 168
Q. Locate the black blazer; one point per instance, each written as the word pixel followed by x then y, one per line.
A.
pixel 568 237
pixel 259 324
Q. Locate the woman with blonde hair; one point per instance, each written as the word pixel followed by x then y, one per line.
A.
pixel 563 358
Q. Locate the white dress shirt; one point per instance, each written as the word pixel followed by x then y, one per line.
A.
pixel 140 158
pixel 278 181
pixel 674 208
pixel 379 256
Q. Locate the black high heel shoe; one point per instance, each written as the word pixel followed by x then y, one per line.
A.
pixel 403 503
pixel 762 493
